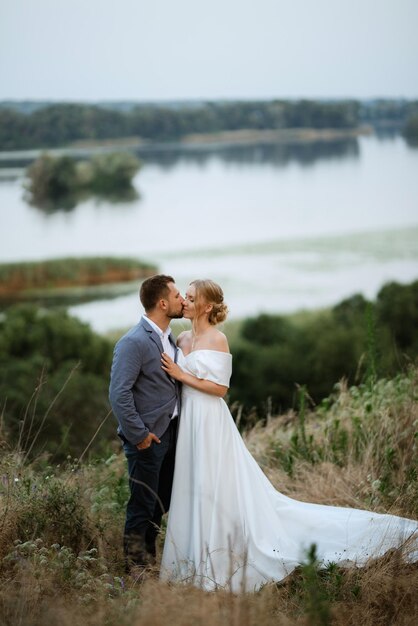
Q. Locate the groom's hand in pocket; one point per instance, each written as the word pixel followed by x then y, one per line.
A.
pixel 146 443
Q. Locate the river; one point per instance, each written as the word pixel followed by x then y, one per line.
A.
pixel 281 227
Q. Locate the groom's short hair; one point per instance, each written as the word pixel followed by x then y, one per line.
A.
pixel 153 289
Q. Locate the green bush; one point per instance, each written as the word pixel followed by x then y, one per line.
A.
pixel 52 178
pixel 85 571
pixel 112 172
pixel 356 340
pixel 53 382
pixel 52 509
pixel 397 311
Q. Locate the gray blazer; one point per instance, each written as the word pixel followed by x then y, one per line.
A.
pixel 142 395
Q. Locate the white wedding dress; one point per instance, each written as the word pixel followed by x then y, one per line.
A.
pixel 228 526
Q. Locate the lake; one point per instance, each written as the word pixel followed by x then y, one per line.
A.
pixel 280 227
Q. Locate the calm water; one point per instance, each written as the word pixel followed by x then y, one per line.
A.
pixel 280 227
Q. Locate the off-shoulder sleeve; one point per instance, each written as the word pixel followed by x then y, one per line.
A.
pixel 212 365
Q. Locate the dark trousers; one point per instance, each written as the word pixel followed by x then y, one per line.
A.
pixel 150 482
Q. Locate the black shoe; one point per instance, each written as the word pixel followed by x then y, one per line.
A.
pixel 143 560
pixel 137 551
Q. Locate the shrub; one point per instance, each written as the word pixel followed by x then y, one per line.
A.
pixel 373 427
pixel 54 381
pixel 356 340
pixel 113 171
pixel 52 179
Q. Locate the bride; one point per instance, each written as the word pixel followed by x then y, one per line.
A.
pixel 228 526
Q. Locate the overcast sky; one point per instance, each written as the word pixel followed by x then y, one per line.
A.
pixel 190 49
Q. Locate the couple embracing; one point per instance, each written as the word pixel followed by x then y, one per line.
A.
pixel 227 525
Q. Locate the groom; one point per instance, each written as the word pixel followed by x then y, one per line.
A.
pixel 146 403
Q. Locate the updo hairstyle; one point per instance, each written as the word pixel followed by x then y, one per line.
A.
pixel 209 292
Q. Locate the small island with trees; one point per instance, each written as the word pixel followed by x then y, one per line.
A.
pixel 63 181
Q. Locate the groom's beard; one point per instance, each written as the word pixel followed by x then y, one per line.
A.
pixel 175 316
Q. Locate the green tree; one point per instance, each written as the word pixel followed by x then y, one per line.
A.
pixel 397 310
pixel 411 130
pixel 51 179
pixel 53 382
pixel 356 340
pixel 113 171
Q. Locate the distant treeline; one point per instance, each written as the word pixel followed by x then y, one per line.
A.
pixel 60 124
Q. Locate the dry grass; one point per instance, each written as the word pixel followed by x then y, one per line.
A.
pixel 384 593
pixel 369 460
pixel 81 581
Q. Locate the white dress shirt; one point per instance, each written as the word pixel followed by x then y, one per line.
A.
pixel 168 347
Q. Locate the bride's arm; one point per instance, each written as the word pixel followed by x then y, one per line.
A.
pixel 207 386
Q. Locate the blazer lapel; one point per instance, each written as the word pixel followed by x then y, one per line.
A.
pixel 152 334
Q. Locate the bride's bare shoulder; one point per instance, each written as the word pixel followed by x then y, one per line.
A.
pixel 184 340
pixel 220 342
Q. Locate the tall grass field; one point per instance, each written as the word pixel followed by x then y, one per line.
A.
pixel 61 560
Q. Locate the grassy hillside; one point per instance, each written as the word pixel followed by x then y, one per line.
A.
pixel 60 525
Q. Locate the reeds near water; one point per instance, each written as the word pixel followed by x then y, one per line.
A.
pixel 66 272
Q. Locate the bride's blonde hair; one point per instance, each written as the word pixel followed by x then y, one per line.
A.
pixel 209 292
